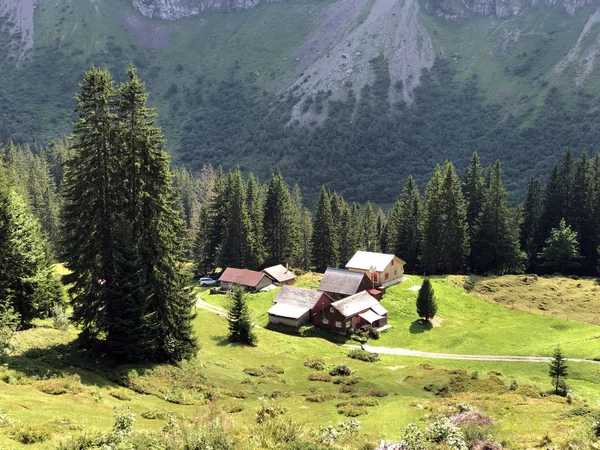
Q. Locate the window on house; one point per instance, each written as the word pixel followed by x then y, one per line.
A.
pixel 387 276
pixel 325 321
pixel 392 262
pixel 331 309
pixel 348 324
pixel 375 277
pixel 338 324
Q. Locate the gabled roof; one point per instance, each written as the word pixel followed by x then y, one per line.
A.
pixel 279 273
pixel 365 260
pixel 287 310
pixel 290 295
pixel 245 277
pixel 340 281
pixel 370 316
pixel 358 303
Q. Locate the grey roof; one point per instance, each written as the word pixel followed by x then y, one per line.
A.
pixel 279 273
pixel 301 297
pixel 341 281
pixel 288 311
pixel 365 260
pixel 358 303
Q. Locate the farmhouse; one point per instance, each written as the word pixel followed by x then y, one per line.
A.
pixel 280 274
pixel 293 306
pixel 357 311
pixel 251 280
pixel 381 268
pixel 340 283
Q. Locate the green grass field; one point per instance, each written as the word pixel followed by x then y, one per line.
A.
pixel 219 379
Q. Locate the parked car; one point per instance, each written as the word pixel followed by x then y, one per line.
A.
pixel 205 281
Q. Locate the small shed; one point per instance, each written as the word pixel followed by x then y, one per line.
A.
pixel 293 306
pixel 357 311
pixel 381 268
pixel 280 274
pixel 251 280
pixel 340 283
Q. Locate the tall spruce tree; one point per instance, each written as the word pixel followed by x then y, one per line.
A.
pixel 408 223
pixel 530 228
pixel 553 210
pixel 495 243
pixel 157 228
pixel 324 249
pixel 455 240
pixel 558 370
pixel 368 231
pixel 473 186
pixel 583 220
pixel 346 233
pixel 255 210
pixel 279 228
pixel 92 198
pixel 426 303
pixel 238 318
pixel 431 259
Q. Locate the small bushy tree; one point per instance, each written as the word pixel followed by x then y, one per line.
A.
pixel 238 317
pixel 561 249
pixel 426 303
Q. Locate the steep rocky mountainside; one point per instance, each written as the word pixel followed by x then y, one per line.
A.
pixel 461 9
pixel 17 23
pixel 179 9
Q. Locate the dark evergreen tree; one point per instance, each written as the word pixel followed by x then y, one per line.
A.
pixel 531 241
pixel 368 230
pixel 238 318
pixel 255 210
pixel 306 230
pixel 91 191
pixel 202 250
pixel 454 227
pixel 431 259
pixel 583 219
pixel 346 233
pixel 558 370
pixel 495 246
pixel 553 210
pixel 408 223
pixel 324 249
pixel 473 186
pixel 279 228
pixel 566 180
pixel 382 226
pixel 426 303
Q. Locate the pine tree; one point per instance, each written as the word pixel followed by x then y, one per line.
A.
pixel 305 232
pixel 454 227
pixel 382 226
pixel 408 223
pixel 426 303
pixel 495 243
pixel 324 251
pixel 561 250
pixel 368 231
pixel 566 174
pixel 27 283
pixel 553 210
pixel 346 233
pixel 238 318
pixel 279 228
pixel 473 186
pixel 255 210
pixel 583 220
pixel 238 241
pixel 157 228
pixel 557 371
pixel 530 228
pixel 431 259
pixel 298 216
pixel 91 192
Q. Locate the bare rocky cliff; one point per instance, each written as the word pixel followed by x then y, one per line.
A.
pixel 464 9
pixel 179 9
pixel 17 21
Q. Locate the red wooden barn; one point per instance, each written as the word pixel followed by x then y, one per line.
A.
pixel 357 311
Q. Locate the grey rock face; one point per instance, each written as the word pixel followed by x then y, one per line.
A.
pixel 463 9
pixel 179 9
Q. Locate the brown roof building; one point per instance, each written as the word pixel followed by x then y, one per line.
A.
pixel 249 279
pixel 280 274
pixel 357 311
pixel 340 283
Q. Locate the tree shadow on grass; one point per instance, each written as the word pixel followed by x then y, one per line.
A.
pixel 221 341
pixel 420 326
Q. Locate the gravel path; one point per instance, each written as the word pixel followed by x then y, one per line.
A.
pixel 214 308
pixel 416 353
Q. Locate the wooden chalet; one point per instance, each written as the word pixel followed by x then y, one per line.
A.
pixel 340 283
pixel 293 306
pixel 280 275
pixel 360 310
pixel 250 280
pixel 381 268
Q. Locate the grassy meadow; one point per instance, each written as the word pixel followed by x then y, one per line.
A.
pixel 50 387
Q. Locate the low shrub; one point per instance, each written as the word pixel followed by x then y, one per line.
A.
pixel 254 372
pixel 31 434
pixel 58 386
pixel 120 395
pixel 269 409
pixel 158 413
pixel 315 363
pixel 349 381
pixel 239 394
pixel 378 393
pixel 319 398
pixel 374 334
pixel 341 370
pixel 352 411
pixel 60 318
pixel 363 355
pixel 514 385
pixel 370 402
pixel 319 377
pixel 273 369
pixel 278 394
pixel 236 408
pixel 345 389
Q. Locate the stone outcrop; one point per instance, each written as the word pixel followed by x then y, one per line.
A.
pixel 464 9
pixel 179 9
